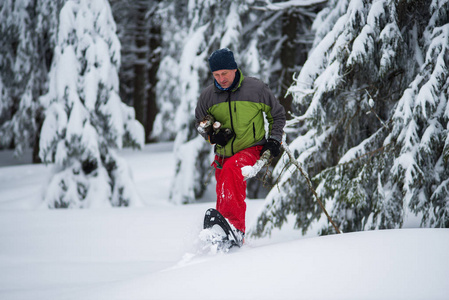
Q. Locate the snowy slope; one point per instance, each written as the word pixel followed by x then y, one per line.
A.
pixel 373 265
pixel 150 252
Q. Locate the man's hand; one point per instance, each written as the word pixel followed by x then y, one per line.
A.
pixel 221 137
pixel 205 127
pixel 274 146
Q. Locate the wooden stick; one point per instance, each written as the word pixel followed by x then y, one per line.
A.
pixel 309 183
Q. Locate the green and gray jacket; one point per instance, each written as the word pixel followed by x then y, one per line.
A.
pixel 242 110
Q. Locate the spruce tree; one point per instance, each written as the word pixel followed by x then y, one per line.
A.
pixel 27 37
pixel 372 122
pixel 85 119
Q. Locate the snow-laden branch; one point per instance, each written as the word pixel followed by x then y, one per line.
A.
pixel 289 4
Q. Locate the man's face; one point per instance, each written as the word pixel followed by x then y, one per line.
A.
pixel 224 77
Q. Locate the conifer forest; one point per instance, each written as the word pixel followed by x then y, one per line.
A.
pixel 365 84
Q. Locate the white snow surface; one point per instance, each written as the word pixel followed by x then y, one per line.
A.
pixel 151 252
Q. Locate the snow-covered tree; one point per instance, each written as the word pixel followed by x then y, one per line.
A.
pixel 27 36
pixel 85 120
pixel 168 92
pixel 373 121
pixel 281 35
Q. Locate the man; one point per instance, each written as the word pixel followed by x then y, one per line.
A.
pixel 239 104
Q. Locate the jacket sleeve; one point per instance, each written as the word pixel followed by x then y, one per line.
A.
pixel 275 114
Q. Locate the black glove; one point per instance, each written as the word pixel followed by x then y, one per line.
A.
pixel 221 137
pixel 274 146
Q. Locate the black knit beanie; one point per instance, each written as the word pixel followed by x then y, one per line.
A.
pixel 222 59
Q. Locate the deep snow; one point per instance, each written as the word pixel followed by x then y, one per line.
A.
pixel 150 252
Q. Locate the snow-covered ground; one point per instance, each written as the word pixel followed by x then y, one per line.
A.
pixel 150 252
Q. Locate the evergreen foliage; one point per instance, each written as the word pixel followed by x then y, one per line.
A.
pixel 369 104
pixel 27 38
pixel 85 119
pixel 372 127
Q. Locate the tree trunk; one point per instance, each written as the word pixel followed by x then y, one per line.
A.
pixel 155 60
pixel 140 75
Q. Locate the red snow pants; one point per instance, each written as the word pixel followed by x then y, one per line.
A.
pixel 231 188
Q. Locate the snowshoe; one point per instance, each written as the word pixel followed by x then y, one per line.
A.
pixel 219 232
